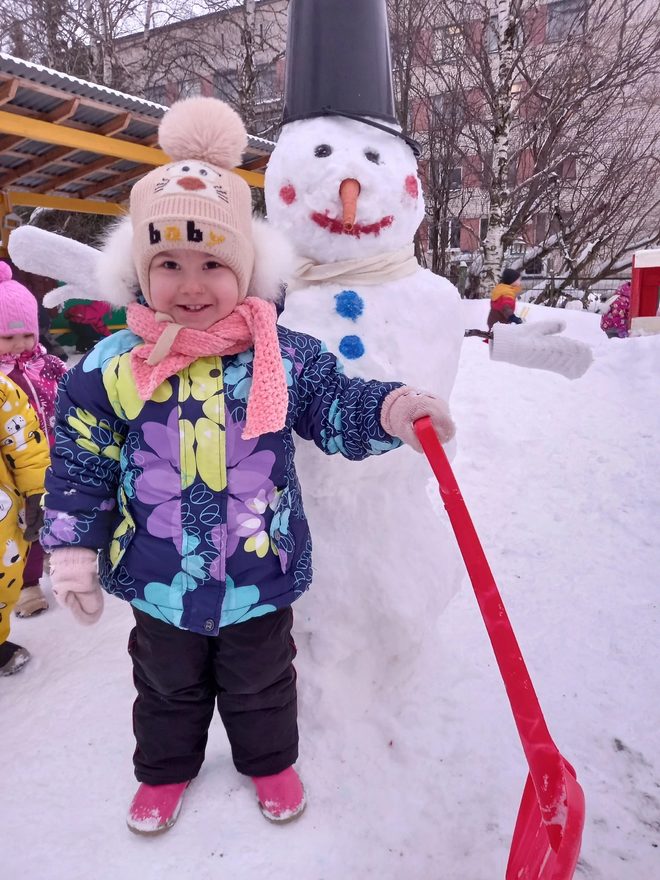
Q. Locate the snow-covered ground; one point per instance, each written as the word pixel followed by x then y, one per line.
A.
pixel 563 483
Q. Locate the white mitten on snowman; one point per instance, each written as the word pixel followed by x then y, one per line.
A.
pixel 54 256
pixel 537 345
pixel 403 406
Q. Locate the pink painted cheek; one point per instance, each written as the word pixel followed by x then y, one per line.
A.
pixel 288 194
pixel 411 186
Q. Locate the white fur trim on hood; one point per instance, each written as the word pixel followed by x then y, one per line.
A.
pixel 109 274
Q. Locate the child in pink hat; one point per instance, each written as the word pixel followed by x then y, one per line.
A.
pixel 37 373
pixel 174 458
pixel 23 463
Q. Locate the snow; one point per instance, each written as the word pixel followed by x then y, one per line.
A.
pixel 563 484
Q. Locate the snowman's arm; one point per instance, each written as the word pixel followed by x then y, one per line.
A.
pixel 56 256
pixel 538 346
pixel 340 414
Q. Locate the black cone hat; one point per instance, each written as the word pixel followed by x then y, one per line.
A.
pixel 338 63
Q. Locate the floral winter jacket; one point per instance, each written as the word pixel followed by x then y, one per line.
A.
pixel 197 526
pixel 37 373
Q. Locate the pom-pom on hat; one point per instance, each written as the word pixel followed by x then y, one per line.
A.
pixel 196 201
pixel 19 312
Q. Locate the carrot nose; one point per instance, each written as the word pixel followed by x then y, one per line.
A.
pixel 348 193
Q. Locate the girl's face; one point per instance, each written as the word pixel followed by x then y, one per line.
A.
pixel 192 287
pixel 17 344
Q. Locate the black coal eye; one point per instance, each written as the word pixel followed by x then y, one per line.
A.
pixel 373 156
pixel 322 151
pixel 203 172
pixel 186 168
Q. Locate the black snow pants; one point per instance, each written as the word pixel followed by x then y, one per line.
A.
pixel 178 675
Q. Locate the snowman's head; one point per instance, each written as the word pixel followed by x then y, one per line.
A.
pixel 306 200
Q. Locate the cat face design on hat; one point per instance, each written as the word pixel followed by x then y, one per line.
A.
pixel 192 177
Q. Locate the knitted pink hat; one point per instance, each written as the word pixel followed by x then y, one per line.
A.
pixel 196 201
pixel 18 307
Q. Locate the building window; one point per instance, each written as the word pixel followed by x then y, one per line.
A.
pixel 267 88
pixel 188 88
pixel 533 266
pixel 490 36
pixel 456 177
pixel 449 43
pixel 565 18
pixel 448 111
pixel 483 228
pixel 568 169
pixel 227 85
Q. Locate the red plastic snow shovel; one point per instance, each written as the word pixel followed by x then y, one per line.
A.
pixel 548 832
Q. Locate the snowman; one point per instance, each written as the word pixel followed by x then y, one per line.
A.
pixel 342 184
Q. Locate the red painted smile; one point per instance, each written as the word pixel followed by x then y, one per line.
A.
pixel 336 226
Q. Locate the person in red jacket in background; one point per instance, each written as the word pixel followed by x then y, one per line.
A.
pixel 86 322
pixel 503 299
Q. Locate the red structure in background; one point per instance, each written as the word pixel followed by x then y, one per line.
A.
pixel 645 296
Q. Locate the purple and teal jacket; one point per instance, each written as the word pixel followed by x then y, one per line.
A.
pixel 195 525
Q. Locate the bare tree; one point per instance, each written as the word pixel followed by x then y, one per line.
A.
pixel 235 50
pixel 75 36
pixel 562 122
pixel 437 125
pixel 549 106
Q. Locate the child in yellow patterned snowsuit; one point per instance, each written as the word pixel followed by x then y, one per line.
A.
pixel 24 458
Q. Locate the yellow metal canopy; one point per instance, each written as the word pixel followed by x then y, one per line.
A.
pixel 76 146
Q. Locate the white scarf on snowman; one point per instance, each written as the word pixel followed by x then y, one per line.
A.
pixel 368 270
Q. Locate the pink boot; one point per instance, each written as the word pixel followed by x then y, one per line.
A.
pixel 281 796
pixel 155 808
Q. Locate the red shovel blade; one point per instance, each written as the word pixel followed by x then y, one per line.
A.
pixel 532 856
pixel 548 832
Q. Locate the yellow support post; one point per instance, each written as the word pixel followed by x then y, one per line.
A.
pixel 65 136
pixel 62 203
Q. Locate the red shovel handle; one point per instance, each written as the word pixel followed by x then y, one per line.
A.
pixel 543 757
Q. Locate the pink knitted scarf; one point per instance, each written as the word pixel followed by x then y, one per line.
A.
pixel 170 347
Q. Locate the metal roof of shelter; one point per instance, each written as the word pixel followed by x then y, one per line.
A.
pixel 73 145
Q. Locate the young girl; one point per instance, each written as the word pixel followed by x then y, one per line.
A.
pixel 175 458
pixel 23 463
pixel 37 373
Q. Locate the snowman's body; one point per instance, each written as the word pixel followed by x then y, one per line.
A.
pixel 409 329
pixel 369 520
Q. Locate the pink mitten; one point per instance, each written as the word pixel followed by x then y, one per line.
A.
pixel 405 405
pixel 74 577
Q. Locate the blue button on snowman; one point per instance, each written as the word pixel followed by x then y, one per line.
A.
pixel 350 305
